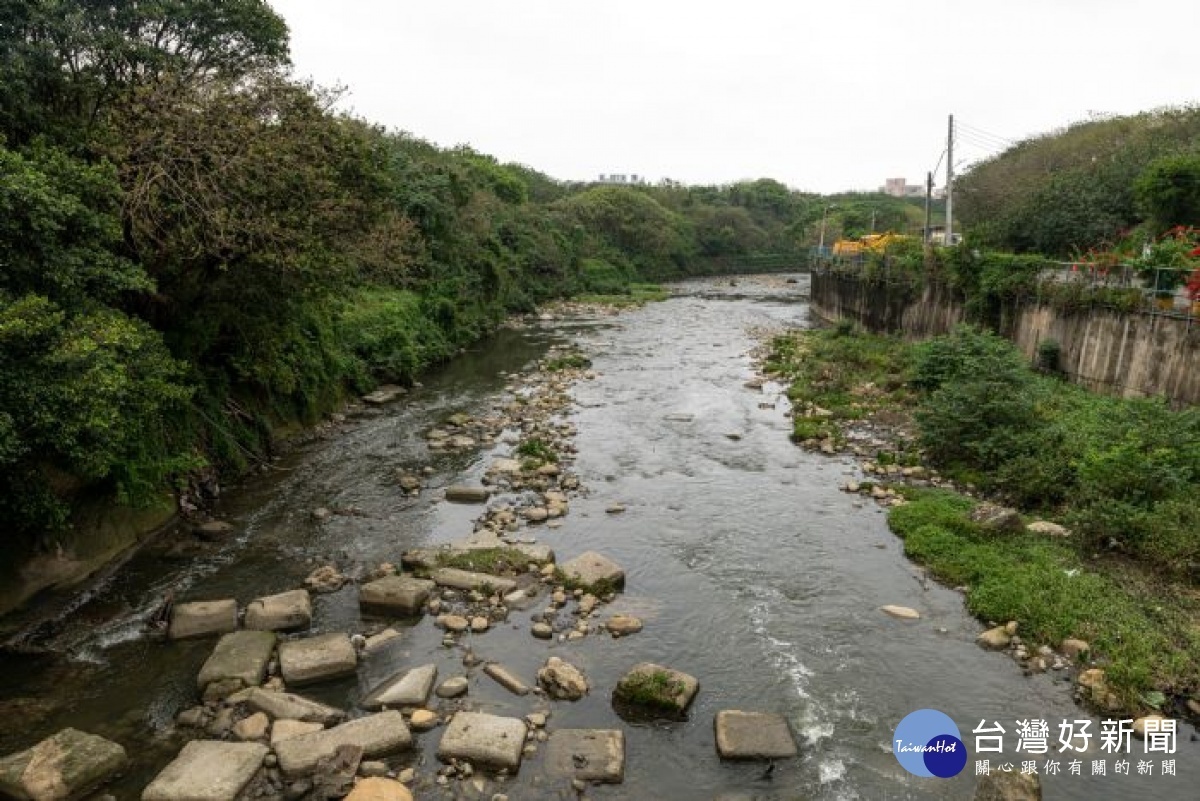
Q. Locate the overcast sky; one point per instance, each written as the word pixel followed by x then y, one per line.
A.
pixel 823 96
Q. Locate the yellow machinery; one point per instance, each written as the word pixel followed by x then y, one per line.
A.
pixel 871 243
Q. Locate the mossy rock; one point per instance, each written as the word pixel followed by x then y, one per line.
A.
pixel 653 691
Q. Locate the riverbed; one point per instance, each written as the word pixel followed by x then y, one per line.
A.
pixel 751 570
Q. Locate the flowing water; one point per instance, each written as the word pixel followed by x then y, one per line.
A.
pixel 752 571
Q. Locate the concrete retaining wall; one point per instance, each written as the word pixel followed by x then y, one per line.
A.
pixel 1129 354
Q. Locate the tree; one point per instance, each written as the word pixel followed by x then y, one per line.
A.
pixel 65 62
pixel 1168 191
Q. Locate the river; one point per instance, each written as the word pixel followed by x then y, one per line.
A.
pixel 753 572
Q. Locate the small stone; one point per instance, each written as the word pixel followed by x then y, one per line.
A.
pixel 252 728
pixel 372 769
pixel 1048 529
pixel 623 625
pixel 423 720
pixel 325 579
pixel 464 494
pixel 615 509
pixel 407 776
pixel 562 680
pixel 480 624
pixel 1153 722
pixel 378 788
pixel 452 687
pixel 455 624
pixel 506 678
pixel 1073 649
pixel 901 612
pixel 996 639
pixel 543 631
pixel 194 717
pixel 1011 628
pixel 404 689
pixel 214 530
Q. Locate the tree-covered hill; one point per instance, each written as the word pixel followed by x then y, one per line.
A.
pixel 1086 186
pixel 195 247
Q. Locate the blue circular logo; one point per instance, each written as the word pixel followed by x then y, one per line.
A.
pixel 927 743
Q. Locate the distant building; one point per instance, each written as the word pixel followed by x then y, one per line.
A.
pixel 621 178
pixel 899 187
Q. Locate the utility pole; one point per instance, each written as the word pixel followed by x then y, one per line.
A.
pixel 821 241
pixel 950 183
pixel 928 205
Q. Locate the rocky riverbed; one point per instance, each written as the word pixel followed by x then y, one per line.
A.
pixel 584 562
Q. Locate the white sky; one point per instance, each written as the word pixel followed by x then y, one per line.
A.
pixel 823 96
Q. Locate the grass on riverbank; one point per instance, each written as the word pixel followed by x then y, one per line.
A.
pixel 637 295
pixel 837 376
pixel 1145 631
pixel 1122 474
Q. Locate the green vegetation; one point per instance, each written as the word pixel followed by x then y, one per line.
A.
pixel 1123 475
pixel 198 252
pixel 570 361
pixel 494 561
pixel 1072 190
pixel 535 452
pixel 654 689
pixel 836 376
pixel 1146 633
pixel 636 295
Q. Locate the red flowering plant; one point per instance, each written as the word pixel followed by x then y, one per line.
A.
pixel 1193 284
pixel 1166 262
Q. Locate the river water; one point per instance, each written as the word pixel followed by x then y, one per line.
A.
pixel 752 571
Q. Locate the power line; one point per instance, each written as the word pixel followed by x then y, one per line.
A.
pixel 980 132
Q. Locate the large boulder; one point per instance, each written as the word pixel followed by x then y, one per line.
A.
pixel 465 494
pixel 594 572
pixel 207 770
pixel 467 580
pixel 587 755
pixel 408 688
pixel 65 766
pixel 655 690
pixel 385 393
pixel 287 706
pixel 999 519
pixel 202 619
pixel 753 735
pixel 239 657
pixel 402 596
pixel 486 740
pixel 286 611
pixel 377 735
pixel 328 656
pixel 562 680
